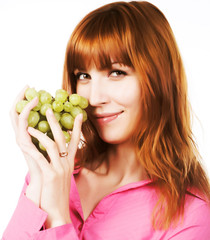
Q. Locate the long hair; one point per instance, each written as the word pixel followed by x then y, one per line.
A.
pixel 137 34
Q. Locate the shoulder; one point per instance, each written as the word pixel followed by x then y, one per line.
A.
pixel 196 219
pixel 197 209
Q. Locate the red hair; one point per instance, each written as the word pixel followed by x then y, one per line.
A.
pixel 137 34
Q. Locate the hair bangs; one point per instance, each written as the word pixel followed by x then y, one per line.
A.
pixel 99 44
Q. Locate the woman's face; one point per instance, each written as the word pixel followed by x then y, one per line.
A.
pixel 114 99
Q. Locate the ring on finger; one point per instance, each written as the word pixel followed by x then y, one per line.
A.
pixel 63 154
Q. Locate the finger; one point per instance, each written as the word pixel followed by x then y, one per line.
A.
pixel 48 144
pixel 39 159
pixel 20 96
pixel 75 137
pixel 23 116
pixel 13 112
pixel 22 134
pixel 28 149
pixel 56 130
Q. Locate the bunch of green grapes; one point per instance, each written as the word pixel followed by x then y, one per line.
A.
pixel 65 107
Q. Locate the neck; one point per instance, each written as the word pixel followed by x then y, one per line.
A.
pixel 123 165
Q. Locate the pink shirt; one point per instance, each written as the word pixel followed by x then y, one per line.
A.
pixel 124 214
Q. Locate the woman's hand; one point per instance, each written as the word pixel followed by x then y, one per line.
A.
pixel 23 139
pixel 57 173
pixel 54 175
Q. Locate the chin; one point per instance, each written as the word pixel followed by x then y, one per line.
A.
pixel 114 139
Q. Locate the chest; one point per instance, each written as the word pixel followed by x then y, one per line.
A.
pixel 124 214
pixel 91 192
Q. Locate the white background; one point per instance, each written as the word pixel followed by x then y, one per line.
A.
pixel 33 38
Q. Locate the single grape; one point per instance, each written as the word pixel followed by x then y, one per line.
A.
pixel 20 105
pixel 33 118
pixel 75 111
pixel 84 115
pixel 37 107
pixel 45 97
pixel 44 108
pixel 43 126
pixel 67 136
pixel 57 116
pixel 57 106
pixel 41 91
pixel 67 106
pixel 74 99
pixel 83 102
pixel 31 93
pixel 61 95
pixel 67 121
pixel 42 147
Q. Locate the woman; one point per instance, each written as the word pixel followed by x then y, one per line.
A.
pixel 138 174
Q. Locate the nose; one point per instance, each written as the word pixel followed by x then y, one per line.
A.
pixel 98 91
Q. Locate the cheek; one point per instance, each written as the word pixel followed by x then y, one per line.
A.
pixel 128 96
pixel 82 91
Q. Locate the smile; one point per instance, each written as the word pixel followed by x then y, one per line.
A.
pixel 108 117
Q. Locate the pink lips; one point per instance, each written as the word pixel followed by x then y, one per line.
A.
pixel 106 117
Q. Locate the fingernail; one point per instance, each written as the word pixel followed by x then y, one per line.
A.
pixel 35 98
pixel 30 129
pixel 80 116
pixel 49 111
